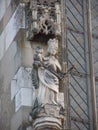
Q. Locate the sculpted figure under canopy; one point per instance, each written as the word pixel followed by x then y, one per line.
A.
pixel 45 74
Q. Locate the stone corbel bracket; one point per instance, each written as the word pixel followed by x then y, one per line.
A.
pixel 49 118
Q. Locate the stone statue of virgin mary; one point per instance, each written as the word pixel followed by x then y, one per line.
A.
pixel 44 73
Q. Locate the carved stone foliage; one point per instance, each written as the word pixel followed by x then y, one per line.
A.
pixel 43 17
pixel 46 23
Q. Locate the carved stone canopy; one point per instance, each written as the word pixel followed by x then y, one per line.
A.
pixel 43 17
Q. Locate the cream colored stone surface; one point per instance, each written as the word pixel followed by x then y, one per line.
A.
pixel 4 4
pixel 9 33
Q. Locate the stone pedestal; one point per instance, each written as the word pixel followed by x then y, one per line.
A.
pixel 49 118
pixel 47 123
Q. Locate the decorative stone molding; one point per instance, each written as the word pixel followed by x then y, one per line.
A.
pixel 47 123
pixel 43 17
